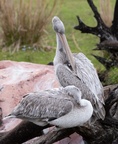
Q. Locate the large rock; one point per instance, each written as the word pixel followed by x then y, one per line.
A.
pixel 18 79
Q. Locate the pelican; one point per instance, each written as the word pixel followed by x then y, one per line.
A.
pixel 77 70
pixel 62 107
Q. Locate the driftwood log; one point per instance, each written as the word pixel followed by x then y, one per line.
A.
pixel 102 132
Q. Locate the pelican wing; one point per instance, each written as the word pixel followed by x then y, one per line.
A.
pixel 38 106
pixel 87 73
pixel 67 77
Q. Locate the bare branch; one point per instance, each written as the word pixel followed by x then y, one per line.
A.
pixel 101 30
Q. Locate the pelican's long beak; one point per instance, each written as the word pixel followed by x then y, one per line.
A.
pixel 67 49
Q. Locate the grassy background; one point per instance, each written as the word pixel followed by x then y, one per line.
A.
pixel 67 11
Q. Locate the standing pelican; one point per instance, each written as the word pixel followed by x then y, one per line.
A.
pixel 77 70
pixel 61 107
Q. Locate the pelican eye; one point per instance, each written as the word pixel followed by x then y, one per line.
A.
pixel 69 93
pixel 68 65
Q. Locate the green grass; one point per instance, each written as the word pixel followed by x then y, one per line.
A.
pixel 34 56
pixel 68 10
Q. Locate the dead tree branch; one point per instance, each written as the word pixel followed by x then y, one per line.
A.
pixel 108 36
pixel 23 132
pixel 52 136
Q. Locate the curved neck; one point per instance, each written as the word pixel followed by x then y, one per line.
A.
pixel 82 102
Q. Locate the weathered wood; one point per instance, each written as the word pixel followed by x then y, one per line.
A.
pixel 101 30
pixel 23 132
pixel 52 136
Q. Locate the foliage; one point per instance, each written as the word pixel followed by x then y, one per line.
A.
pixel 112 77
pixel 23 22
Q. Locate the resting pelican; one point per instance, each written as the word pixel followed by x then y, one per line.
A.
pixel 62 107
pixel 77 69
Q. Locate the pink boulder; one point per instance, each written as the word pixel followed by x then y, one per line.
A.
pixel 20 78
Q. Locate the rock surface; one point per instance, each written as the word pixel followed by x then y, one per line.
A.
pixel 20 78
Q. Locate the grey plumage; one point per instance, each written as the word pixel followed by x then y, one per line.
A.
pixel 54 107
pixel 39 106
pixel 79 71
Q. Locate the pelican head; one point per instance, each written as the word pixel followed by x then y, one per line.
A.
pixel 73 90
pixel 58 25
pixel 59 28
